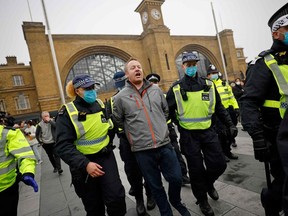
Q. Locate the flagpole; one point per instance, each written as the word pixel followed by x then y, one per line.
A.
pixel 219 43
pixel 30 11
pixel 54 56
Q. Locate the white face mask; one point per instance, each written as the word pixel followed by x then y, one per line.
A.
pixel 237 83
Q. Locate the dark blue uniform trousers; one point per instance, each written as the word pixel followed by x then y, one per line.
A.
pixel 106 190
pixel 205 159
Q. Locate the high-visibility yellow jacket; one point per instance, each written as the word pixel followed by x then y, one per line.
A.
pixel 197 111
pixel 92 134
pixel 280 73
pixel 14 151
pixel 226 94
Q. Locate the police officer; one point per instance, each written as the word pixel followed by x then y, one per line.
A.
pixel 82 142
pixel 17 162
pixel 263 105
pixel 132 170
pixel 155 79
pixel 192 102
pixel 230 104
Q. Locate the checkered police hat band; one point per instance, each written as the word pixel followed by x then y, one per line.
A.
pixel 83 82
pixel 282 21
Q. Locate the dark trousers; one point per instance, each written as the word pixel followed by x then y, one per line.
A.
pixel 9 200
pixel 283 152
pixel 173 137
pixel 132 170
pixel 272 198
pixel 52 155
pixel 106 190
pixel 200 146
pixel 162 160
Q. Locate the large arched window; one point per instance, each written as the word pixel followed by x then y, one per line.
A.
pixel 202 64
pixel 99 66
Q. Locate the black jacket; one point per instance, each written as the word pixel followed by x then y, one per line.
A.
pixel 260 86
pixel 238 91
pixel 66 134
pixel 189 84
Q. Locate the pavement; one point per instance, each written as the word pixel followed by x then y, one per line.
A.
pixel 239 188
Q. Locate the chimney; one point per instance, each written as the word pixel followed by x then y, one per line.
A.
pixel 11 60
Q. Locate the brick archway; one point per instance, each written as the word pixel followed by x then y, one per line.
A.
pixel 91 51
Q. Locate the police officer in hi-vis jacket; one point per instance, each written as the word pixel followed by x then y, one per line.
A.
pixel 17 162
pixel 193 101
pixel 263 105
pixel 82 141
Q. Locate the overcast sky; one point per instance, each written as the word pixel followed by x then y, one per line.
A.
pixel 247 18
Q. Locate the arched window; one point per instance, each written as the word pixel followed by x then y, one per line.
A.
pixel 202 64
pixel 99 66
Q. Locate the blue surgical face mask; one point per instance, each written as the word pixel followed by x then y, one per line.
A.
pixel 214 76
pixel 285 41
pixel 191 71
pixel 90 96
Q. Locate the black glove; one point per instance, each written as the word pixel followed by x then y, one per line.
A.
pixel 233 131
pixel 261 147
pixel 237 113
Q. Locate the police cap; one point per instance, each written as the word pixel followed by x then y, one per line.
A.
pixel 212 69
pixel 83 81
pixel 189 57
pixel 279 18
pixel 153 77
pixel 119 79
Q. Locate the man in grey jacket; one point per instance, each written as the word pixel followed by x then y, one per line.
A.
pixel 141 109
pixel 45 134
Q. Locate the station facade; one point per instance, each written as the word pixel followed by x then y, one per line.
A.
pixel 26 90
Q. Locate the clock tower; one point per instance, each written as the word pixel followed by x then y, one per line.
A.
pixel 150 12
pixel 156 41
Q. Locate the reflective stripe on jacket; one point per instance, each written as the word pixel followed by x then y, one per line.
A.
pixel 280 73
pixel 226 94
pixel 196 112
pixel 14 150
pixel 92 134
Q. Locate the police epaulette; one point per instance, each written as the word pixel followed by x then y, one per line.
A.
pixel 265 52
pixel 61 111
pixel 176 83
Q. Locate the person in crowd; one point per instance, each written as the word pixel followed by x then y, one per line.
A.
pixel 131 168
pixel 17 162
pixel 155 79
pixel 238 89
pixel 141 110
pixel 193 101
pixel 45 134
pixel 30 134
pixel 263 106
pixel 83 143
pixel 230 104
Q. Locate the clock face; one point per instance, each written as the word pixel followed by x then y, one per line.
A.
pixel 155 14
pixel 144 17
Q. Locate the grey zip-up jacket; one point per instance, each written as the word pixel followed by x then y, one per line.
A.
pixel 142 115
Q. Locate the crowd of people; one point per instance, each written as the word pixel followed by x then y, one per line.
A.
pixel 205 111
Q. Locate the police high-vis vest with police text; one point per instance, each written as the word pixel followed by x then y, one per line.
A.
pixel 196 112
pixel 14 150
pixel 92 134
pixel 226 94
pixel 280 73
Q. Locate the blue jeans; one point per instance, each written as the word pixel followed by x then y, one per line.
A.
pixel 154 161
